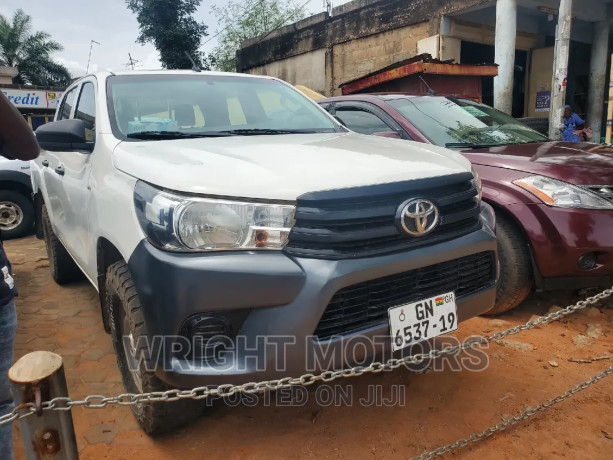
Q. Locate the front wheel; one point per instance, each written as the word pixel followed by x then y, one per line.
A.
pixel 129 334
pixel 516 278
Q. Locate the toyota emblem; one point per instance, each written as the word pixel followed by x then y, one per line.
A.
pixel 417 217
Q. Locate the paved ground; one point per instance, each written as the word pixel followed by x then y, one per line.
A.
pixel 439 407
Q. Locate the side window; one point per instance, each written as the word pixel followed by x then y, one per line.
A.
pixel 361 121
pixel 86 110
pixel 67 105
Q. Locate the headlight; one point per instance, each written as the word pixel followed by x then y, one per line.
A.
pixel 183 223
pixel 561 194
pixel 478 182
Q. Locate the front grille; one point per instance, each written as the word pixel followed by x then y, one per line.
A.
pixel 361 221
pixel 605 191
pixel 365 304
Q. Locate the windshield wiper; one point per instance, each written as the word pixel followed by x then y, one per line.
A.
pixel 266 131
pixel 161 135
pixel 470 145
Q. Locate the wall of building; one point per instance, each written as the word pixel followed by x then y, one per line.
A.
pixel 323 70
pixel 7 74
pixel 308 69
pixel 486 34
pixel 360 57
pixel 540 83
pixel 360 37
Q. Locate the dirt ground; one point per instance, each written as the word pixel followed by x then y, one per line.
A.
pixel 438 408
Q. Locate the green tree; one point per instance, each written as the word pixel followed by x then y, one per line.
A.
pixel 30 52
pixel 243 20
pixel 170 26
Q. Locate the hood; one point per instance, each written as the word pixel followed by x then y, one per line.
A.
pixel 577 163
pixel 282 167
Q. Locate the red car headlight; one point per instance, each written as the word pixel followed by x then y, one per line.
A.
pixel 562 194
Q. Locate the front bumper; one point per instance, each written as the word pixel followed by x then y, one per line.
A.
pixel 283 299
pixel 560 236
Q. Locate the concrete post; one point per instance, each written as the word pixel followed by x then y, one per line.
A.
pixel 560 70
pixel 598 75
pixel 506 32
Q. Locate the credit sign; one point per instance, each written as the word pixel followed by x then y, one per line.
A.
pixel 39 99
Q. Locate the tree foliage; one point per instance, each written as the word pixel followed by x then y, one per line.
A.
pixel 170 26
pixel 247 19
pixel 30 52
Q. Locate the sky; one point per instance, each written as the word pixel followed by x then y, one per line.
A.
pixel 74 23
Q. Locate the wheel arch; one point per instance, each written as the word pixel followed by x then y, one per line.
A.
pixel 503 211
pixel 39 202
pixel 16 186
pixel 106 255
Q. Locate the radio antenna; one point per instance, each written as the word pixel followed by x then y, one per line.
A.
pixel 195 68
pixel 431 92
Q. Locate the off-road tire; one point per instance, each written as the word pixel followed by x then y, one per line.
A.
pixel 121 298
pixel 24 207
pixel 63 268
pixel 516 278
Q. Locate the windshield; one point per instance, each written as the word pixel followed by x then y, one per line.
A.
pixel 169 106
pixel 451 122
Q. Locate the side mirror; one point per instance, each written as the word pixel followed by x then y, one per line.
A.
pixel 390 134
pixel 63 135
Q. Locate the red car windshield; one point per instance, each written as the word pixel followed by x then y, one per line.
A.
pixel 451 122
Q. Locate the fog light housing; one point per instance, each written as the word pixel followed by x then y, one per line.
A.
pixel 587 261
pixel 208 335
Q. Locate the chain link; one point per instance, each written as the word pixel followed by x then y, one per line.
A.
pixel 525 415
pixel 226 390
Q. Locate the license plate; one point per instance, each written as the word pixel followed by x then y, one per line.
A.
pixel 418 321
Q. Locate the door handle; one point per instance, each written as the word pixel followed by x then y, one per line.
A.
pixel 45 163
pixel 60 170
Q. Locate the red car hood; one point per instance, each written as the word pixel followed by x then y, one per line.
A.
pixel 580 164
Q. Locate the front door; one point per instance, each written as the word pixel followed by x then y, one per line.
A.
pixel 67 178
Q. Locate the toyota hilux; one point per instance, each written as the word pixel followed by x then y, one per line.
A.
pixel 234 230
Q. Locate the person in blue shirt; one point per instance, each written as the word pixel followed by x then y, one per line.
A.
pixel 572 122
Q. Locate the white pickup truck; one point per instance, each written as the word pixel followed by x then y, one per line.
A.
pixel 215 212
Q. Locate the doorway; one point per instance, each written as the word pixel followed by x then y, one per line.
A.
pixel 478 53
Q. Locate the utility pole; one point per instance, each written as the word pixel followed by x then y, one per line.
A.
pixel 91 44
pixel 560 70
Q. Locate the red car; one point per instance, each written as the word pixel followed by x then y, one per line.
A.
pixel 553 200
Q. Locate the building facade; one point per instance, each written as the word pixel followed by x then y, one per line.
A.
pixel 37 104
pixel 325 51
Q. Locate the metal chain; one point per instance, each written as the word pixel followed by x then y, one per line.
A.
pixel 525 415
pixel 226 390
